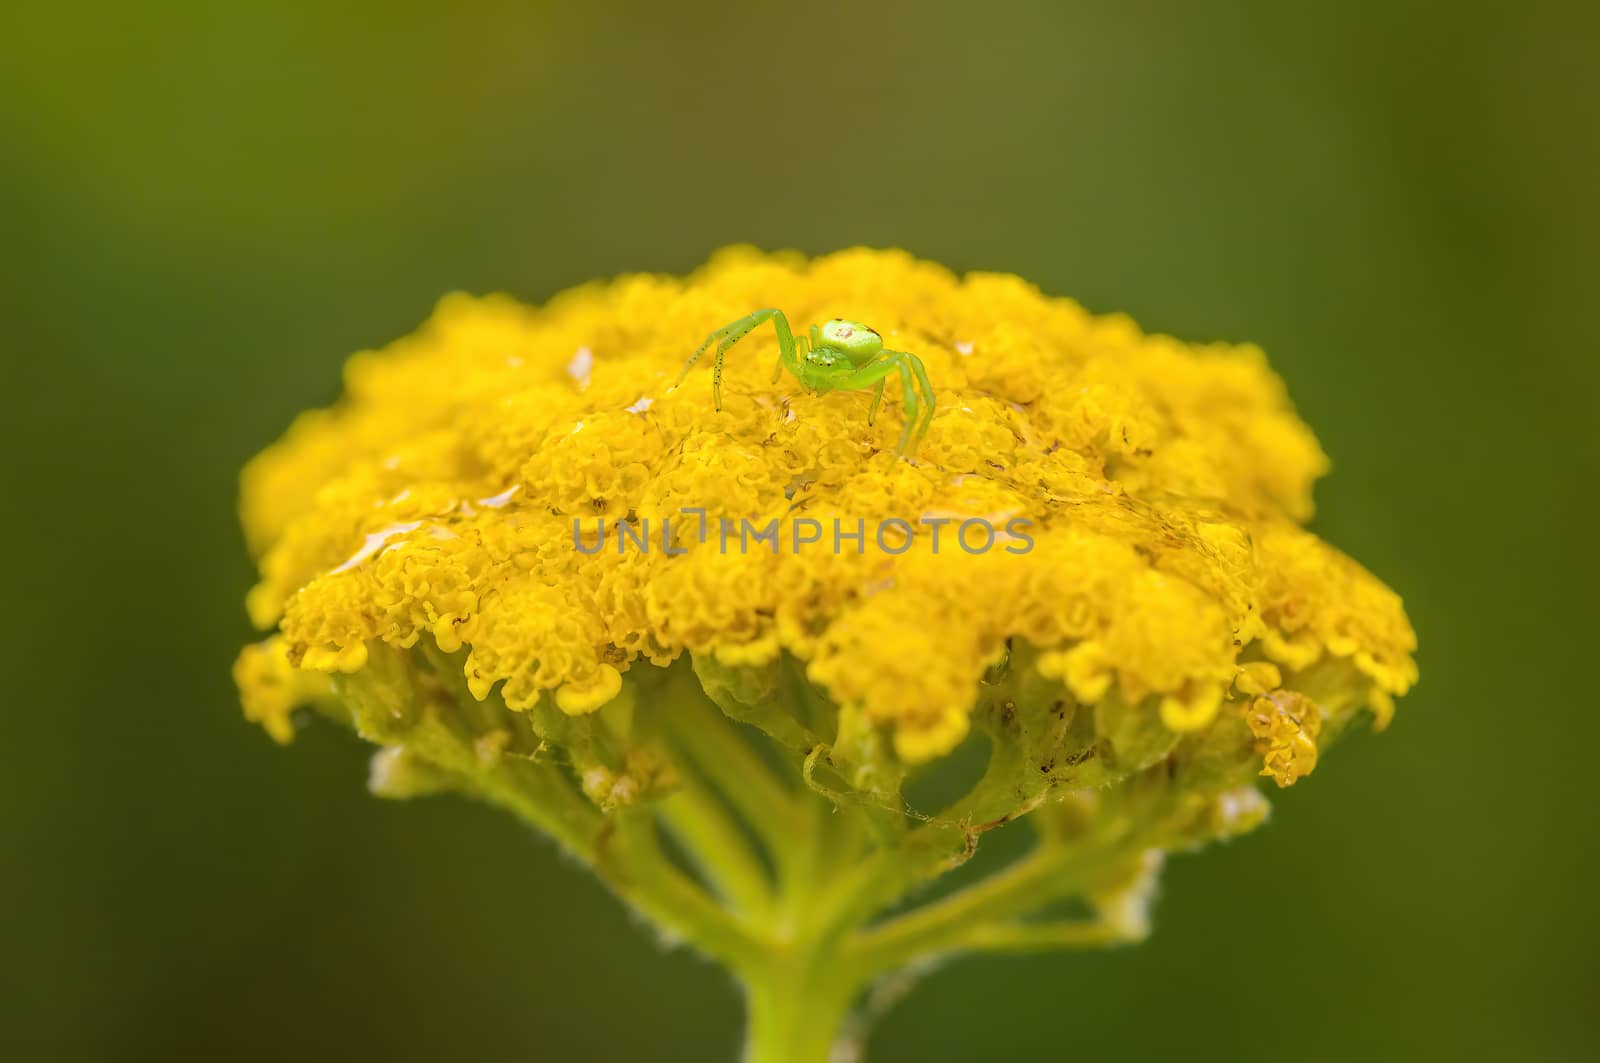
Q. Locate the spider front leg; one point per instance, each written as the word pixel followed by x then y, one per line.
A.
pixel 732 333
pixel 921 373
pixel 802 345
pixel 916 393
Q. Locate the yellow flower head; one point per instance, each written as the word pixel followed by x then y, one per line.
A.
pixel 1138 502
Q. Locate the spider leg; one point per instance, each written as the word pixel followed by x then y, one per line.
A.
pixel 864 375
pixel 919 410
pixel 716 366
pixel 877 397
pixel 732 333
pixel 927 394
pixel 877 372
pixel 716 334
pixel 802 345
pixel 913 406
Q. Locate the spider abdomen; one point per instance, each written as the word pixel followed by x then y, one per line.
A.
pixel 857 342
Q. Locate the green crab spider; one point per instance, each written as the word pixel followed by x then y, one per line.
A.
pixel 839 355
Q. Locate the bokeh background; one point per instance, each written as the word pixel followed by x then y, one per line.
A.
pixel 205 207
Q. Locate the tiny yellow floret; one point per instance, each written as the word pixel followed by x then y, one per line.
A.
pixel 271 688
pixel 1286 726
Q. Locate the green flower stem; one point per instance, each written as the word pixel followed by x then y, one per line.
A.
pixel 388 706
pixel 707 738
pixel 630 861
pixel 796 1006
pixel 1049 873
pixel 827 841
pixel 718 847
pixel 1044 937
pixel 787 874
pixel 626 854
pixel 544 799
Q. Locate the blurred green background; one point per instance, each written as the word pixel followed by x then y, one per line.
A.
pixel 205 207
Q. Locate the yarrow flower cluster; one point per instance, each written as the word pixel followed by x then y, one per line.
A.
pixel 1171 628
